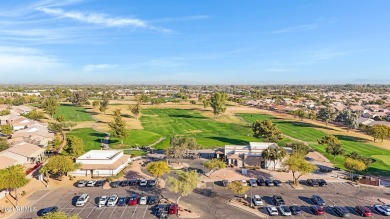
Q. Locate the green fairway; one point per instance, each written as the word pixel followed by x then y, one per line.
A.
pixel 91 138
pixel 307 132
pixel 135 138
pixel 209 133
pixel 73 113
pixel 135 153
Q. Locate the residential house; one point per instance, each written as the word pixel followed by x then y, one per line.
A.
pixel 37 133
pixel 24 153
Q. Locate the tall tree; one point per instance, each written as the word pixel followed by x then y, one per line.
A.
pixel 136 110
pixel 79 98
pixel 214 164
pixel 74 146
pixel 301 114
pixel 379 132
pixel 179 145
pixel 59 165
pixel 206 102
pixel 118 126
pixel 158 169
pixel 354 165
pixel 326 115
pixel 14 177
pixel 184 184
pixel 96 103
pixel 298 166
pixel 238 188
pixel 348 118
pixel 268 155
pixel 366 160
pixel 267 130
pixel 104 105
pixel 50 105
pixel 300 148
pixel 7 129
pixel 333 145
pixel 218 103
pixel 312 115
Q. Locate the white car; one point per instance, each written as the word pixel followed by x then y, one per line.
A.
pixel 244 182
pixel 143 182
pixel 272 210
pixel 285 210
pixel 143 200
pixel 82 200
pixel 103 200
pixel 257 201
pixel 384 209
pixel 91 183
pixel 112 200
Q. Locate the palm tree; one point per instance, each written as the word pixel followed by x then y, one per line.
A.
pixel 279 154
pixel 268 155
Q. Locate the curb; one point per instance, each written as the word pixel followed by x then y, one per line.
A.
pixel 259 214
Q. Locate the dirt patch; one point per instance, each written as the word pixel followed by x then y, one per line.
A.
pixel 194 131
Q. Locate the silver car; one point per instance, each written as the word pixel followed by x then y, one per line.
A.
pixel 112 200
pixel 82 200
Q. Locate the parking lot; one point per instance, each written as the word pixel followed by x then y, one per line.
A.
pixel 341 194
pixel 65 199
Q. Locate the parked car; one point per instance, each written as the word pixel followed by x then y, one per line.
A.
pixel 285 210
pixel 103 200
pixel 278 200
pixel 81 183
pixel 296 210
pixel 269 182
pixel 91 183
pixel 161 211
pixel 341 211
pixel 383 209
pixel 124 183
pixel 143 182
pixel 99 183
pixel 225 183
pixel 272 210
pixel 317 210
pixel 143 200
pixel 112 200
pixel 115 184
pixel 122 201
pixel 151 182
pixel 322 182
pixel 244 182
pixel 252 182
pixel 133 182
pixel 312 182
pixel 363 211
pixel 318 200
pixel 82 200
pixel 260 182
pixel 153 200
pixel 257 201
pixel 173 208
pixel 277 182
pixel 133 199
pixel 48 210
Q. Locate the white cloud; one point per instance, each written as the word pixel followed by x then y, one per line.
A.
pixel 102 19
pixel 297 28
pixel 98 67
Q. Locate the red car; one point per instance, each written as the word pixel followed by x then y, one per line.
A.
pixel 363 211
pixel 133 199
pixel 317 210
pixel 173 208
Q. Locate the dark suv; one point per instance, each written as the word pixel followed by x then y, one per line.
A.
pixel 318 200
pixel 278 200
pixel 312 182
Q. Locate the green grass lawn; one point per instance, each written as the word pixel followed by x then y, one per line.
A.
pixel 209 133
pixel 91 138
pixel 73 113
pixel 135 153
pixel 306 132
pixel 135 138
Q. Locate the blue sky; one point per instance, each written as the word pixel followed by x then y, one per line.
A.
pixel 195 42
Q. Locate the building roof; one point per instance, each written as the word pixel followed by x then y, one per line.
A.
pixel 122 160
pixel 261 145
pixel 26 149
pixel 6 162
pixel 234 156
pixel 99 155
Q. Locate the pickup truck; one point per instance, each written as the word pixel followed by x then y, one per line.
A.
pixel 278 200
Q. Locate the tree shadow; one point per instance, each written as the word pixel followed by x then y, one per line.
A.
pixel 98 134
pixel 351 138
pixel 229 140
pixel 186 116
pixel 306 199
pixel 301 124
pixel 128 116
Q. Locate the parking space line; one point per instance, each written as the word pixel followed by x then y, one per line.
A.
pixel 67 204
pixel 134 211
pixel 82 209
pixel 146 208
pixel 91 212
pixel 104 208
pixel 113 211
pixel 124 211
